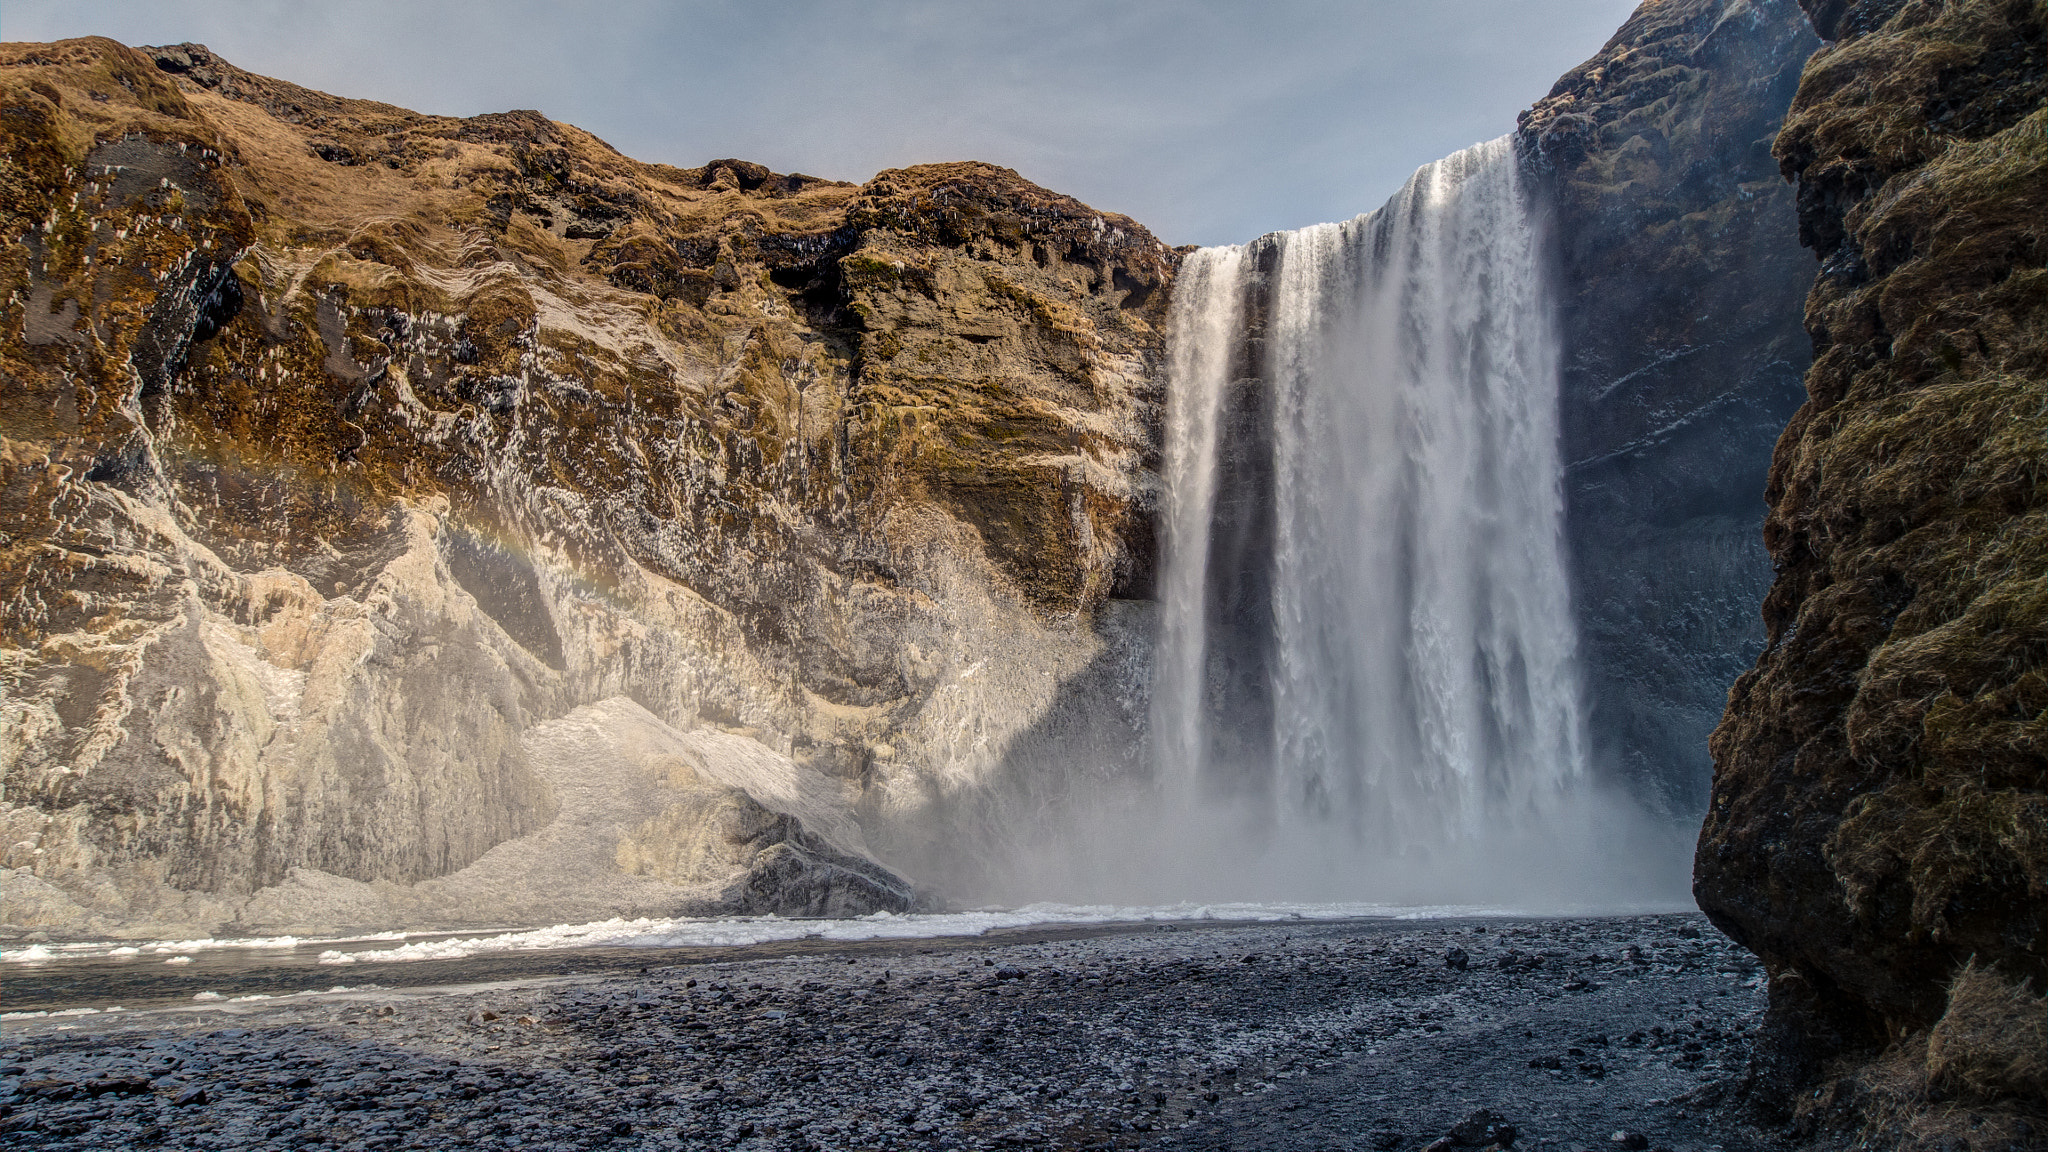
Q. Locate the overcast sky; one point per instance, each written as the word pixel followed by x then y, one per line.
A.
pixel 1210 121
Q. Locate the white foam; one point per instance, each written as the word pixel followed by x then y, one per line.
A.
pixel 741 930
pixel 179 950
pixel 736 931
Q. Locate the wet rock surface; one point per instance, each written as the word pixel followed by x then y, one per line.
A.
pixel 1583 1034
pixel 1681 281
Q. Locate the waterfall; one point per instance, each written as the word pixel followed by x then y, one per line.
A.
pixel 1367 642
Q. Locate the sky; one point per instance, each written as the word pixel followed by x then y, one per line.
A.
pixel 1209 121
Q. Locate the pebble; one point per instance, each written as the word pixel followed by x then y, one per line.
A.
pixel 1211 1037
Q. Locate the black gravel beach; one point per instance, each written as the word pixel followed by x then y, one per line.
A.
pixel 1573 1034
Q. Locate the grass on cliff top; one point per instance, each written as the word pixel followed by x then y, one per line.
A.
pixel 1865 99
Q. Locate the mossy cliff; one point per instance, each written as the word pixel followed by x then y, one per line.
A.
pixel 346 447
pixel 1879 816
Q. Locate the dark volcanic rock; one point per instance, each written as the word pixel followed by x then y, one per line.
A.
pixel 1682 353
pixel 1327 1043
pixel 1881 788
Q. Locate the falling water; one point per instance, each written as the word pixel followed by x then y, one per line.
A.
pixel 1367 644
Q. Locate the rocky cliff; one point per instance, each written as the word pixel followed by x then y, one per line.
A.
pixel 1681 277
pixel 1879 822
pixel 350 452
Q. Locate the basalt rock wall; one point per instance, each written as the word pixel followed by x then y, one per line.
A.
pixel 1879 824
pixel 347 448
pixel 1680 281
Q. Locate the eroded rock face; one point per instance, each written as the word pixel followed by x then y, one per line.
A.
pixel 1880 803
pixel 1682 278
pixel 346 447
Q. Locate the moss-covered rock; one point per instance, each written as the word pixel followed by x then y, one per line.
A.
pixel 1880 805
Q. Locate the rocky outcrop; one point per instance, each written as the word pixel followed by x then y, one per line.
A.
pixel 1681 279
pixel 1880 803
pixel 347 448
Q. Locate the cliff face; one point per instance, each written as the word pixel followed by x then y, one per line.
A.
pixel 346 448
pixel 1880 807
pixel 1681 277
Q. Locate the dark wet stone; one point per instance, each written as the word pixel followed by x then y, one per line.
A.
pixel 1478 1128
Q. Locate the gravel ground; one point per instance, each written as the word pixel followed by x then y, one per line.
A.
pixel 1577 1034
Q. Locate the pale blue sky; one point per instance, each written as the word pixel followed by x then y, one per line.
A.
pixel 1210 122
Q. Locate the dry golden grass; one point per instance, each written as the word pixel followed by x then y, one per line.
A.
pixel 1992 1043
pixel 1976 1082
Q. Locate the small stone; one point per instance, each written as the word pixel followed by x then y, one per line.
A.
pixel 1477 1128
pixel 1456 957
pixel 1386 1139
pixel 1630 1141
pixel 190 1096
pixel 622 1128
pixel 118 1086
pixel 1593 1071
